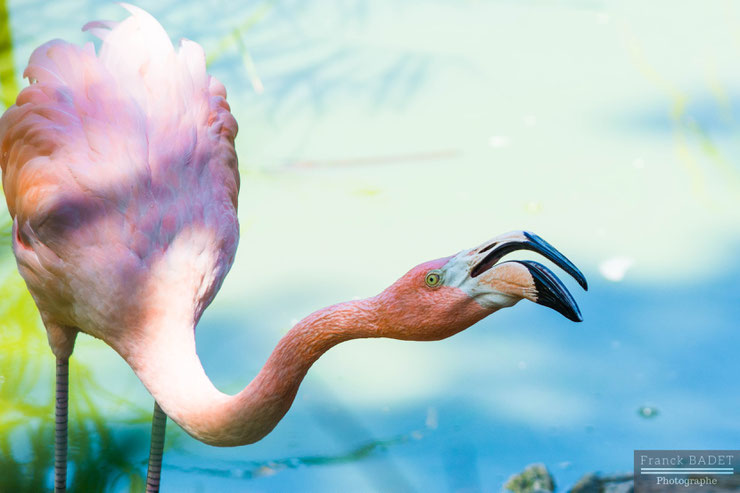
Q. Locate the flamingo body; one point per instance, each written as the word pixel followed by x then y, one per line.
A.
pixel 120 173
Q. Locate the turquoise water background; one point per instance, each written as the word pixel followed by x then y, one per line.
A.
pixel 377 135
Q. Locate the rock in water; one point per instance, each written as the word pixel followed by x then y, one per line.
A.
pixel 534 479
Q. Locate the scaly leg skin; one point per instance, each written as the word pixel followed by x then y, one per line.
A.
pixel 154 471
pixel 60 426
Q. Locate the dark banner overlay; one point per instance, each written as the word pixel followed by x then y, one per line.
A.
pixel 707 471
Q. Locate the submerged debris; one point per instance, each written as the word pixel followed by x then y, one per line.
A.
pixel 536 479
pixel 648 411
pixel 593 483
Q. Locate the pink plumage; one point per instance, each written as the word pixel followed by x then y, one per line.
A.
pixel 96 156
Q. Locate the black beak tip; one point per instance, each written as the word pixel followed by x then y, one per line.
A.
pixel 575 316
pixel 551 292
pixel 567 308
pixel 544 248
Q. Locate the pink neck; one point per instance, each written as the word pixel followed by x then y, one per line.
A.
pixel 169 367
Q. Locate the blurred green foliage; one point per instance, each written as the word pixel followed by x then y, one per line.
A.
pixel 8 81
pixel 714 175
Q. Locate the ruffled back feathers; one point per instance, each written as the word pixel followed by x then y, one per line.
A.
pixel 136 113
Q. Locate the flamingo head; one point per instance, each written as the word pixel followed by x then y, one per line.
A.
pixel 437 299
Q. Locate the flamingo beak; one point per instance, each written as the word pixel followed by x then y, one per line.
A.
pixel 496 285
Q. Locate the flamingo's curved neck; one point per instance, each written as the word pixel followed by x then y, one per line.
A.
pixel 169 367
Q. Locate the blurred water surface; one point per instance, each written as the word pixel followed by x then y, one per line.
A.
pixel 376 135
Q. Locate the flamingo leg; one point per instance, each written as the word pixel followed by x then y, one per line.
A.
pixel 154 471
pixel 60 425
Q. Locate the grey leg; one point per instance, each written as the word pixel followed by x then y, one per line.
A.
pixel 60 426
pixel 154 471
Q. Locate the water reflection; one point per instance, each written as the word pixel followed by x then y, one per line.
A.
pixel 256 469
pixel 520 389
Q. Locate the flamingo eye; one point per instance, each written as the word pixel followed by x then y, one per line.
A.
pixel 433 279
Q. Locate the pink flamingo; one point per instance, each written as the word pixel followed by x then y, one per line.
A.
pixel 120 174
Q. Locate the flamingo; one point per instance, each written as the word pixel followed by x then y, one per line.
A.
pixel 120 175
